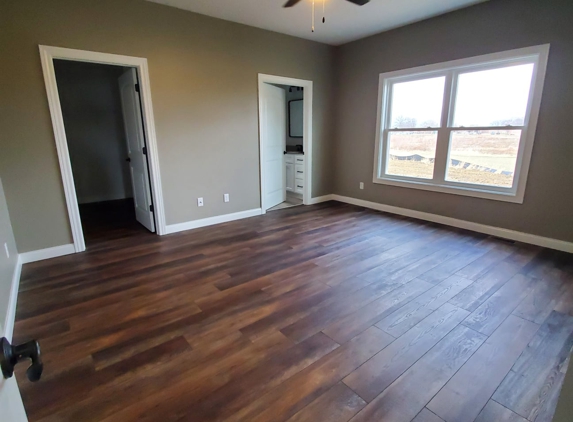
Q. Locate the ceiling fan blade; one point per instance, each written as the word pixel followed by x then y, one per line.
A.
pixel 291 3
pixel 359 2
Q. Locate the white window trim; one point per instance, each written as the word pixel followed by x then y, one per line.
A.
pixel 536 54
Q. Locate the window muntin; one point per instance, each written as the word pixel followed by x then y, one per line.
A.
pixel 475 145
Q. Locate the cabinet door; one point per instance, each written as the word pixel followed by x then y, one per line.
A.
pixel 289 177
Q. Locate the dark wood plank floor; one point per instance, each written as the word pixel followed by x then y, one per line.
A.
pixel 322 313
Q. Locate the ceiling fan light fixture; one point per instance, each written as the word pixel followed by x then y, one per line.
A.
pixel 291 3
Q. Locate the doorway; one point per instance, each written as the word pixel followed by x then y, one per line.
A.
pixel 140 146
pixel 107 147
pixel 285 124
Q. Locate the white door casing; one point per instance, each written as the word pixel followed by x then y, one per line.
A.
pixel 135 137
pixel 274 144
pixel 47 56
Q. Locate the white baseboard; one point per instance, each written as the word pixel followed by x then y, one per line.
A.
pixel 47 253
pixel 319 199
pixel 11 311
pixel 546 242
pixel 195 224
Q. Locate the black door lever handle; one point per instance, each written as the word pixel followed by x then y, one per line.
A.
pixel 11 355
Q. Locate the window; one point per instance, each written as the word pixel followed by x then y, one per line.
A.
pixel 463 127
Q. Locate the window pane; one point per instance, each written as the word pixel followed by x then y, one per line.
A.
pixel 495 97
pixel 411 154
pixel 417 104
pixel 483 157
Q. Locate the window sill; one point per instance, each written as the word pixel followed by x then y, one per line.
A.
pixel 483 193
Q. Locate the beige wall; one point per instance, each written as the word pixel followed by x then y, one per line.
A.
pixel 7 264
pixel 493 26
pixel 204 86
pixel 91 106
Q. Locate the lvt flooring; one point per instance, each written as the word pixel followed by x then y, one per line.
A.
pixel 320 313
pixel 110 220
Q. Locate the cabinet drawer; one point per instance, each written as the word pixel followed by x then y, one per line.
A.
pixel 299 185
pixel 299 159
pixel 289 158
pixel 299 170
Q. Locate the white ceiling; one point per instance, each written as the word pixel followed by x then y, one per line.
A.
pixel 345 21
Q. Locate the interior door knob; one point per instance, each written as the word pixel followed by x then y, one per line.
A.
pixel 11 355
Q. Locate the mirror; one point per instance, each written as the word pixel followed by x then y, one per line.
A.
pixel 295 118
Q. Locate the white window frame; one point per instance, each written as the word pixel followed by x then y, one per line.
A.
pixel 537 55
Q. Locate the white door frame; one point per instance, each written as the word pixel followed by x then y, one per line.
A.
pixel 47 55
pixel 307 131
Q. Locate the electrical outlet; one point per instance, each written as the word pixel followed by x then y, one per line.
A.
pixel 199 202
pixel 7 251
pixel 226 197
pixel 361 185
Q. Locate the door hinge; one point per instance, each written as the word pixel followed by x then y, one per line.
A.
pixel 136 87
pixel 151 208
pixel 144 150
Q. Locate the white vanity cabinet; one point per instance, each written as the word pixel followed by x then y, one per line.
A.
pixel 294 164
pixel 289 176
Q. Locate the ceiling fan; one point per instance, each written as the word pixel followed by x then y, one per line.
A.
pixel 291 3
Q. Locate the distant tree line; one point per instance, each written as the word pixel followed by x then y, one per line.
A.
pixel 405 122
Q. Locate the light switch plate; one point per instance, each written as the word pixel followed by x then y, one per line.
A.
pixel 199 202
pixel 361 185
pixel 226 197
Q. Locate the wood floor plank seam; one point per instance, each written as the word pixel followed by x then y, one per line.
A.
pixel 505 407
pixel 425 415
pixel 477 333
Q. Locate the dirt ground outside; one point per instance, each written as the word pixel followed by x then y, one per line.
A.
pixel 494 150
pixel 425 170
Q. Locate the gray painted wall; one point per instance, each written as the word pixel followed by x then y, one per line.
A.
pixel 91 105
pixel 7 264
pixel 493 26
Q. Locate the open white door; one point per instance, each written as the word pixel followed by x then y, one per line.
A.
pixel 11 406
pixel 273 145
pixel 132 119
